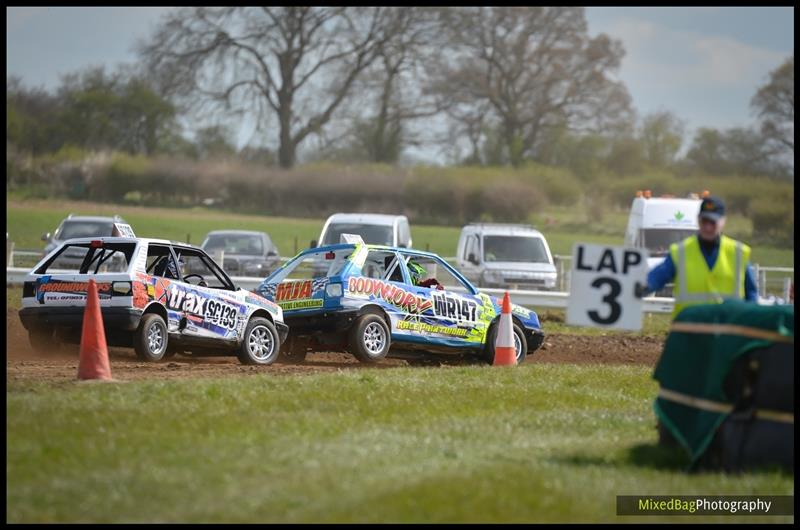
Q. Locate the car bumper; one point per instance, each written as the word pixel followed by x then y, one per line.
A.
pixel 283 331
pixel 114 318
pixel 547 284
pixel 534 338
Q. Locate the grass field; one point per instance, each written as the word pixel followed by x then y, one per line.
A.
pixel 28 220
pixel 465 444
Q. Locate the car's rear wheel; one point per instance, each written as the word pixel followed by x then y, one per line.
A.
pixel 150 340
pixel 520 344
pixel 260 344
pixel 370 338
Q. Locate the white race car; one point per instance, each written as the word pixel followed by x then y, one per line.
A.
pixel 155 295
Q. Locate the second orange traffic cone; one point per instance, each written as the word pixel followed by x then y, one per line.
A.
pixel 504 352
pixel 93 362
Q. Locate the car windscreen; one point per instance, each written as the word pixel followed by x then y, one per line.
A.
pixel 83 258
pixel 76 229
pixel 314 265
pixel 371 234
pixel 514 248
pixel 658 240
pixel 247 244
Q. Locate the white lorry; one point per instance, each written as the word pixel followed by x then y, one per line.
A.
pixel 657 222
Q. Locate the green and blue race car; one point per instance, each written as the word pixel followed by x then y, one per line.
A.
pixel 368 299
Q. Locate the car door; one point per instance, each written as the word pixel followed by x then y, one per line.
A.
pixel 451 315
pixel 207 297
pixel 382 282
pixel 163 283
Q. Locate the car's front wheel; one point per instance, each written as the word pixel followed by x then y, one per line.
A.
pixel 520 344
pixel 260 344
pixel 370 338
pixel 150 340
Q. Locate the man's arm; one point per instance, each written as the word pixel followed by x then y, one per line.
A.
pixel 657 278
pixel 750 285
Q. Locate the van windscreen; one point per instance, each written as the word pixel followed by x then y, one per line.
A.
pixel 371 234
pixel 514 248
pixel 658 240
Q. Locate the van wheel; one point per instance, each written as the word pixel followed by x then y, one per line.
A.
pixel 370 338
pixel 260 344
pixel 150 340
pixel 520 344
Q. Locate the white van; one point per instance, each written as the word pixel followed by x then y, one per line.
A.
pixel 506 256
pixel 657 222
pixel 374 229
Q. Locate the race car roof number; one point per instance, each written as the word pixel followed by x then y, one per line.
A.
pixel 350 238
pixel 123 230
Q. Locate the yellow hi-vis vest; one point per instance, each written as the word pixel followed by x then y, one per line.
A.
pixel 696 284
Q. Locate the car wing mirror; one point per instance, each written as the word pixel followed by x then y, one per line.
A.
pixel 46 237
pixel 472 259
pixel 313 244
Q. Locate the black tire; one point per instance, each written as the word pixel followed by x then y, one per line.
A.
pixel 151 338
pixel 370 338
pixel 41 340
pixel 260 343
pixel 519 335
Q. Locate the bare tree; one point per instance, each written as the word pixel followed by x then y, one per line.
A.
pixel 536 68
pixel 774 103
pixel 297 64
pixel 399 82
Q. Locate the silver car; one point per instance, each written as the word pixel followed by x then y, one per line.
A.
pixel 75 226
pixel 243 252
pixel 506 256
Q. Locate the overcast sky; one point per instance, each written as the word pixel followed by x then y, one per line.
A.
pixel 704 64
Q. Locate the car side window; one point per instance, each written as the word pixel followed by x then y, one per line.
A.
pixel 381 264
pixel 269 245
pixel 471 247
pixel 199 269
pixel 435 269
pixel 393 272
pixel 161 263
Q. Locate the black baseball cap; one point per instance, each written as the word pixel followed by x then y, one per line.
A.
pixel 712 208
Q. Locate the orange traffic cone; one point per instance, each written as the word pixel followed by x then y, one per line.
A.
pixel 93 363
pixel 504 352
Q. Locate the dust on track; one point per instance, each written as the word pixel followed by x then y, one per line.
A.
pixel 61 364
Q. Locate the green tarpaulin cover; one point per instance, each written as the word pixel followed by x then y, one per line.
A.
pixel 696 360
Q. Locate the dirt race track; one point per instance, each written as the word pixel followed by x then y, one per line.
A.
pixel 23 363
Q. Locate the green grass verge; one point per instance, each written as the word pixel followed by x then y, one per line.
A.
pixel 653 324
pixel 13 297
pixel 537 443
pixel 28 220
